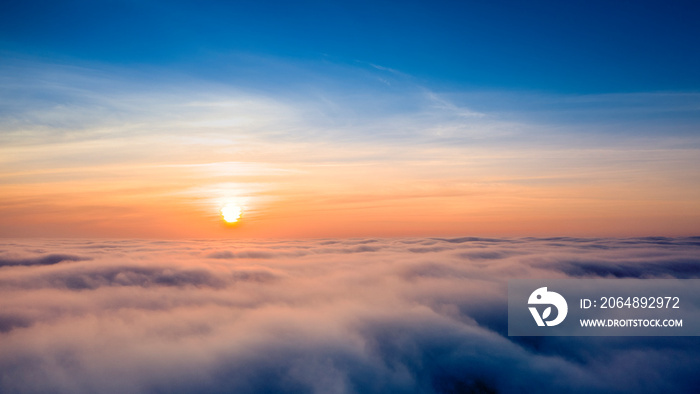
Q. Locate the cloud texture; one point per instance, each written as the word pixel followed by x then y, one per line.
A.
pixel 320 316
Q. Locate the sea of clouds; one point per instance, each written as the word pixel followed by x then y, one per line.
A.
pixel 424 315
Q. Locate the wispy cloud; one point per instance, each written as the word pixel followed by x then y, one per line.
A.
pixel 90 139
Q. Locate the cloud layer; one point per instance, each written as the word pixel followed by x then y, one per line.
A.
pixel 406 315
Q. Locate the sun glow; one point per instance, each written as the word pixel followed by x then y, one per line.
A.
pixel 231 213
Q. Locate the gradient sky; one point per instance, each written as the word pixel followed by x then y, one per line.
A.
pixel 144 118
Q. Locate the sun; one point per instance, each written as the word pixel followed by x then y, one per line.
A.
pixel 231 213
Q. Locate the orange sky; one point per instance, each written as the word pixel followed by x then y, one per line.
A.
pixel 308 190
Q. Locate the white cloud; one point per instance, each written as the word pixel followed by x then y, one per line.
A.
pixel 342 315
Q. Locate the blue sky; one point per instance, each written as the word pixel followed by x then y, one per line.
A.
pixel 563 47
pixel 489 118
